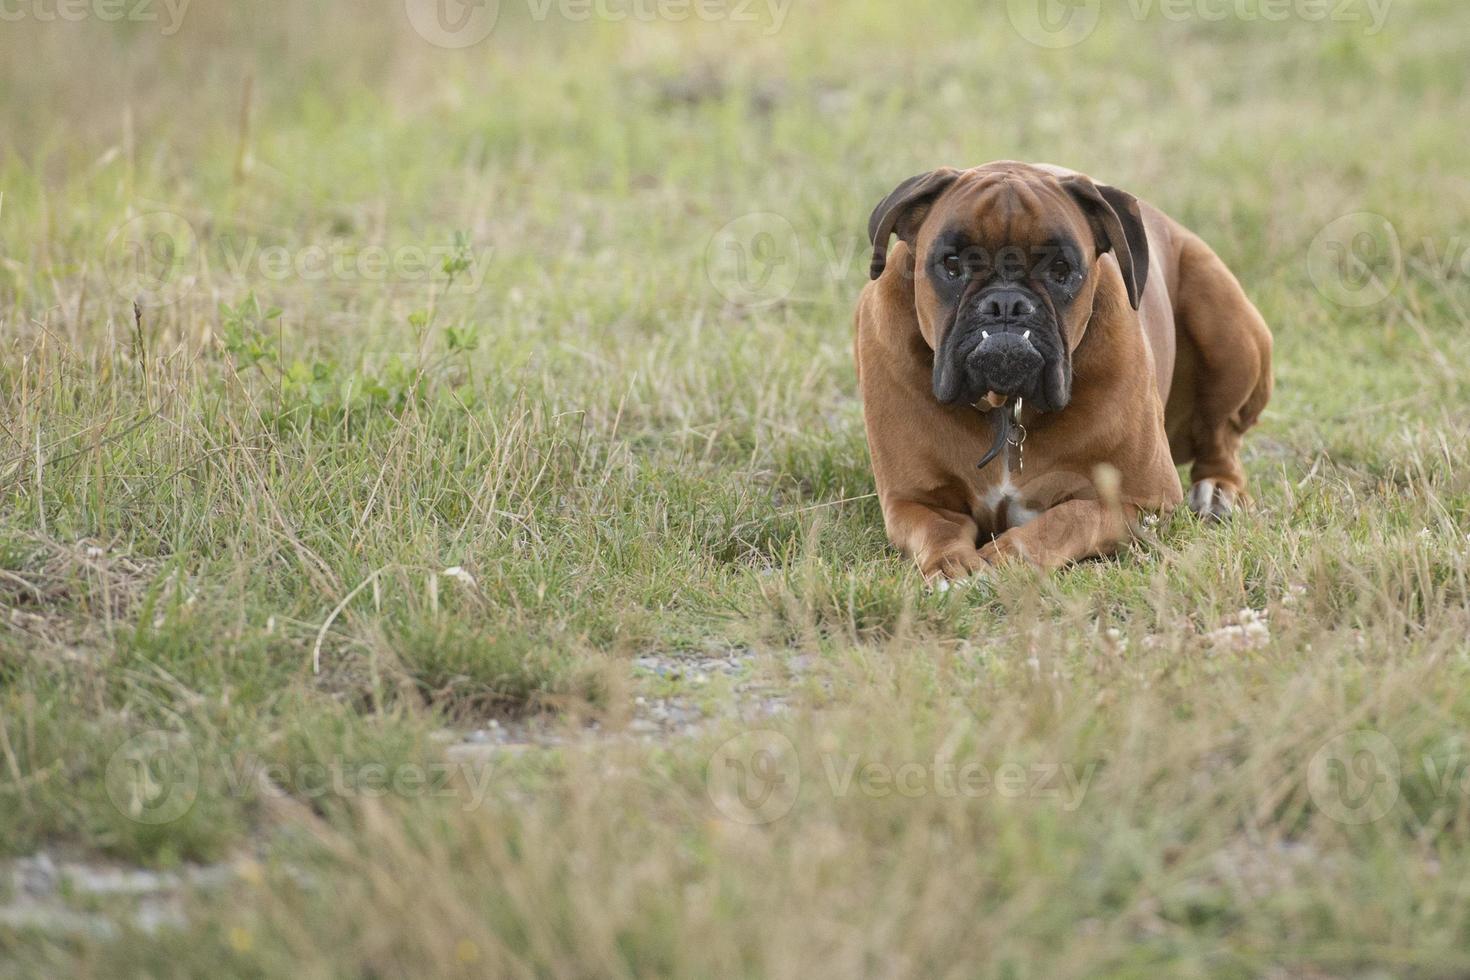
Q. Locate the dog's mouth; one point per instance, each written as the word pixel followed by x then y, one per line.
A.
pixel 989 367
pixel 1007 364
pixel 993 399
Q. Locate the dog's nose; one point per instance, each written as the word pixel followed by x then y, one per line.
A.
pixel 1006 304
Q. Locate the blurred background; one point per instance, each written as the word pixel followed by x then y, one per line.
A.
pixel 601 146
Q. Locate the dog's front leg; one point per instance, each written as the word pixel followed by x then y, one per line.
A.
pixel 941 541
pixel 1064 534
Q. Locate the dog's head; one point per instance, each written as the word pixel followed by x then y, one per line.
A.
pixel 1007 265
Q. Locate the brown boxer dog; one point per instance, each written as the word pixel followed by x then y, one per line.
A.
pixel 1036 356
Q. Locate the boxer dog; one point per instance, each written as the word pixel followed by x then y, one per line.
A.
pixel 1036 355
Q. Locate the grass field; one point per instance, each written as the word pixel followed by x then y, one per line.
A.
pixel 458 563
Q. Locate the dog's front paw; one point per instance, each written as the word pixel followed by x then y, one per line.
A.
pixel 954 564
pixel 1213 500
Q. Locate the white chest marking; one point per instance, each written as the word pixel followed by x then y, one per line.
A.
pixel 1004 492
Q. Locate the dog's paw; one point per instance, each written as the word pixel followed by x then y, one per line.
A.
pixel 954 565
pixel 1213 501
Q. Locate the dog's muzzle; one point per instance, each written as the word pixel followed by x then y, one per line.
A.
pixel 995 350
pixel 1008 362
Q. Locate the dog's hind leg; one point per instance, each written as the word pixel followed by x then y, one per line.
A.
pixel 1230 358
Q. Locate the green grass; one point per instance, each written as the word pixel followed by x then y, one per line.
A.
pixel 230 519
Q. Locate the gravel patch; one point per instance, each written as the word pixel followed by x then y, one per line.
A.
pixel 677 696
pixel 42 891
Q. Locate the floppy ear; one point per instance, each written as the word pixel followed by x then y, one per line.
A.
pixel 903 211
pixel 1117 224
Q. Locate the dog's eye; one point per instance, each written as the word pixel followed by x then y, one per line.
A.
pixel 1060 272
pixel 952 267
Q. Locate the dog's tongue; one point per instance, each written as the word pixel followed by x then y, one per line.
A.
pixel 995 400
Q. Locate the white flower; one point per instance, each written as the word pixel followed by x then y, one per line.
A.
pixel 1250 631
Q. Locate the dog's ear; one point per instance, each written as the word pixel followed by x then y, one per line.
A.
pixel 1117 225
pixel 903 211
